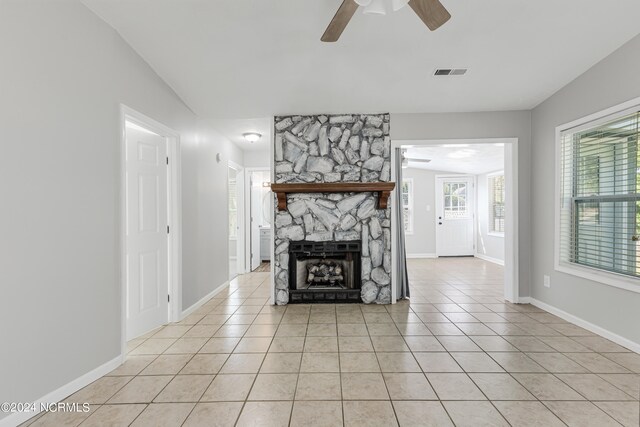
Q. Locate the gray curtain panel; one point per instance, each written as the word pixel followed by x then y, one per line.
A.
pixel 401 253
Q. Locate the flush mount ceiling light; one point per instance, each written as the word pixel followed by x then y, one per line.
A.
pixel 252 136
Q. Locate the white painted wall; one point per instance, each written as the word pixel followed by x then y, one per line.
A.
pixel 610 82
pixel 257 158
pixel 505 124
pixel 64 74
pixel 490 245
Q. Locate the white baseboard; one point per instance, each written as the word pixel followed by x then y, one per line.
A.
pixel 490 259
pixel 631 345
pixel 63 392
pixel 203 300
pixel 417 256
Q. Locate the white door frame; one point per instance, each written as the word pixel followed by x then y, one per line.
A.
pixel 247 216
pixel 240 184
pixel 511 266
pixel 474 195
pixel 174 215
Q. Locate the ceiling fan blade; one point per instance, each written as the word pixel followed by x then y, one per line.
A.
pixel 432 12
pixel 339 21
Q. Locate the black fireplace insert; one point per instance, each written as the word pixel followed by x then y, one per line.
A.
pixel 324 272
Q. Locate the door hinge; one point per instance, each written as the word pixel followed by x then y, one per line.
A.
pixel 168 298
pixel 167 160
pixel 167 229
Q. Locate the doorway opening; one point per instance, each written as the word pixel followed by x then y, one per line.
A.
pixel 150 225
pixel 258 219
pixel 460 211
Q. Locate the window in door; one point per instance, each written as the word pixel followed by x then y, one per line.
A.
pixel 599 223
pixel 455 200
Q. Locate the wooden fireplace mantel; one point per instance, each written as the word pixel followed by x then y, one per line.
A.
pixel 382 188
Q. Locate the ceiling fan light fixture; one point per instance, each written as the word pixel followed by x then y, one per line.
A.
pixel 396 5
pixel 376 7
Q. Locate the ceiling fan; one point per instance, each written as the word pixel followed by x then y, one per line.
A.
pixel 406 160
pixel 432 13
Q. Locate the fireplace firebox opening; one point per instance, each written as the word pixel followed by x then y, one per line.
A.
pixel 324 272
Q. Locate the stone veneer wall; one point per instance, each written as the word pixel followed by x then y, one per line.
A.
pixel 335 148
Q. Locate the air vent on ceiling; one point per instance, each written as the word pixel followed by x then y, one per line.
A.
pixel 450 72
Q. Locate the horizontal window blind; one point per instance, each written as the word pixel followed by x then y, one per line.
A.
pixel 496 203
pixel 407 205
pixel 600 199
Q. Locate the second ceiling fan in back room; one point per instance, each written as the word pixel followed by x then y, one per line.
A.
pixel 432 13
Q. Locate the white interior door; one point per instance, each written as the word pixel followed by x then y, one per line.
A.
pixel 455 213
pixel 256 215
pixel 147 278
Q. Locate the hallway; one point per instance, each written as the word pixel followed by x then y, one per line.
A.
pixel 455 354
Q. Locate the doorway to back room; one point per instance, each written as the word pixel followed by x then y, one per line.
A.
pixel 261 205
pixel 459 220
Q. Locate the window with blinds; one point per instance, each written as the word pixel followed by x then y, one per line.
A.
pixel 600 196
pixel 496 203
pixel 407 204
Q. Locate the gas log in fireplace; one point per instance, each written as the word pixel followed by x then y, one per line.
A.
pixel 324 272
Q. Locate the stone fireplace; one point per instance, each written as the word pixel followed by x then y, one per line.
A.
pixel 332 246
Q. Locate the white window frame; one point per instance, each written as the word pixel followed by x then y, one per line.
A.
pixel 591 273
pixel 411 211
pixel 489 191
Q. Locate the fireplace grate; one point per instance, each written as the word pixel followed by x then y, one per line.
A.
pixel 316 296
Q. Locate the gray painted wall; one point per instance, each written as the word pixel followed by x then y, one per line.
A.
pixel 423 239
pixel 205 257
pixel 612 81
pixel 64 74
pixel 487 244
pixel 507 124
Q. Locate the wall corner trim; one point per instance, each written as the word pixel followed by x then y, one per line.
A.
pixel 63 392
pixel 631 345
pixel 203 300
pixel 490 259
pixel 419 256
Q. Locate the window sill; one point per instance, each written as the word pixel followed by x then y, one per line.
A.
pixel 495 234
pixel 599 276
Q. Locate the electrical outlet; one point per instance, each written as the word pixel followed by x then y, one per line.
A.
pixel 428 208
pixel 547 281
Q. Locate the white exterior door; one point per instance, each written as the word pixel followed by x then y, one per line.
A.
pixel 147 278
pixel 454 216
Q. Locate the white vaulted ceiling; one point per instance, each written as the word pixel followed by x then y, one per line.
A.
pixel 236 59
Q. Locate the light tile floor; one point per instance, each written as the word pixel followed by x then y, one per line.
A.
pixel 456 354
